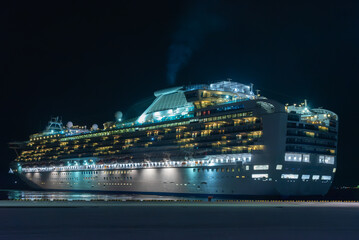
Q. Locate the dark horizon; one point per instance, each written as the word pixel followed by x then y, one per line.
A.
pixel 86 62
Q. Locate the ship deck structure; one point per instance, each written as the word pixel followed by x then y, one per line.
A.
pixel 205 139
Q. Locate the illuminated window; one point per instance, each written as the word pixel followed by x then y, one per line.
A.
pixel 334 170
pixel 247 167
pixel 315 177
pixel 259 175
pixel 279 167
pixel 329 159
pixel 305 177
pixel 293 157
pixel 305 158
pixel 326 159
pixel 327 178
pixel 289 176
pixel 321 128
pixel 260 167
pixel 310 134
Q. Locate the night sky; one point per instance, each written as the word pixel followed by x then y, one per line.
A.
pixel 86 61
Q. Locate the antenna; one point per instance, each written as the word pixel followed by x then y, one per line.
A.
pixel 55 124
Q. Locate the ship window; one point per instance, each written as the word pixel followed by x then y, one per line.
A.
pixel 199 170
pixel 227 169
pixel 217 169
pixel 305 157
pixel 232 169
pixel 238 169
pixel 315 177
pixel 247 167
pixel 326 159
pixel 260 167
pixel 259 175
pixel 326 178
pixel 293 157
pixel 279 167
pixel 329 160
pixel 289 176
pixel 305 177
pixel 334 170
pixel 222 169
pixel 194 169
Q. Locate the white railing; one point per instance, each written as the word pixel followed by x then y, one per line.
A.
pixel 214 160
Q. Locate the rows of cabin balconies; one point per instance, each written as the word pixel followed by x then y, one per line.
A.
pixel 310 149
pixel 169 136
pixel 309 141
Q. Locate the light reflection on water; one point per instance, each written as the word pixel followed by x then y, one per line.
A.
pixel 75 196
pixel 335 194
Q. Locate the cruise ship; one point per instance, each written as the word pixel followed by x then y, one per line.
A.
pixel 206 139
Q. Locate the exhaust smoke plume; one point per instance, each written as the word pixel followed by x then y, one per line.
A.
pixel 199 21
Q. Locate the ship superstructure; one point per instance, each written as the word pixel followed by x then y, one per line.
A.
pixel 208 139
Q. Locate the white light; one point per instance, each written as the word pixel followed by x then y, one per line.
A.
pixel 259 175
pixel 142 118
pixel 328 178
pixel 305 177
pixel 315 177
pixel 170 112
pixel 289 176
pixel 260 167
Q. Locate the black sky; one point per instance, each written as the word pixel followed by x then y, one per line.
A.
pixel 85 61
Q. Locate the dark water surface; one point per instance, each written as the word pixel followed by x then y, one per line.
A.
pixel 179 220
pixel 334 194
pixel 76 196
pixel 128 219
